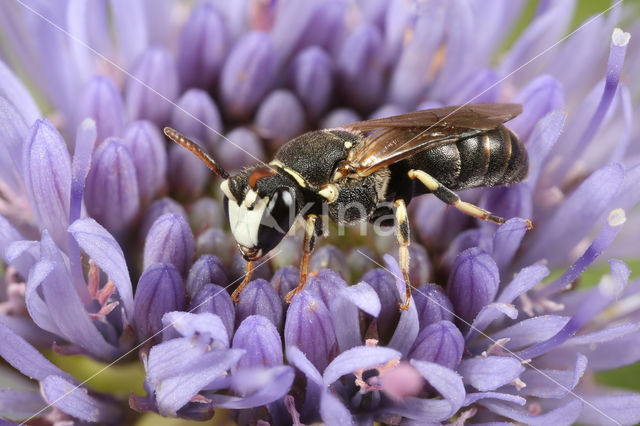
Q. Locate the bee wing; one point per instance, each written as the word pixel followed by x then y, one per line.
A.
pixel 389 140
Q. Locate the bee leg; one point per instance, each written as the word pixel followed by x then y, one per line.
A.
pixel 247 277
pixel 402 234
pixel 451 198
pixel 307 249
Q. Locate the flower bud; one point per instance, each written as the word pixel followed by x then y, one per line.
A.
pixel 206 213
pixel 259 298
pixel 156 70
pixel 361 67
pixel 440 342
pixel 285 279
pixel 101 100
pixel 169 241
pixel 202 47
pixel 207 269
pixel 308 326
pixel 188 174
pixel 215 299
pixel 325 284
pixel 160 290
pixel 157 209
pixel 329 257
pixel 339 117
pixel 147 147
pixel 195 115
pixel 247 74
pixel 246 148
pixel 112 195
pixel 312 80
pixel 47 179
pixel 385 285
pixel 261 341
pixel 216 242
pixel 433 304
pixel 473 282
pixel 280 117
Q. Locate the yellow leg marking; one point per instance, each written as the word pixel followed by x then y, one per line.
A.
pixel 307 249
pixel 236 294
pixel 425 178
pixel 402 234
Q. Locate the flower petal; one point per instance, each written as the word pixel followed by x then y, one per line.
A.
pixel 333 411
pixel 524 281
pixel 490 373
pixel 488 314
pixel 260 298
pixel 539 98
pixel 12 89
pixel 546 383
pixel 364 297
pixel 408 325
pixel 215 299
pixel 623 409
pixel 170 240
pixel 441 343
pixel 506 241
pixel 100 246
pixel 564 415
pixel 476 396
pixel 272 383
pixel 76 401
pixel 18 405
pixel 530 331
pixel 358 358
pixel 260 339
pixel 203 326
pixel 447 382
pixel 25 358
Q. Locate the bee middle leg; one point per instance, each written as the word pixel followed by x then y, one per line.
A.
pixel 451 198
pixel 402 234
pixel 309 243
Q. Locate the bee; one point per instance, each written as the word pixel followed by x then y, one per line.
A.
pixel 368 171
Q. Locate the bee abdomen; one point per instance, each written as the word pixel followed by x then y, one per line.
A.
pixel 496 157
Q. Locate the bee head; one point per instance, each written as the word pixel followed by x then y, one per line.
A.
pixel 261 206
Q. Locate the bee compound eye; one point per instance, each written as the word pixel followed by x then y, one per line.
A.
pixel 277 219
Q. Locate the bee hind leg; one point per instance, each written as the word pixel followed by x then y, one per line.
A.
pixel 402 234
pixel 310 232
pixel 448 196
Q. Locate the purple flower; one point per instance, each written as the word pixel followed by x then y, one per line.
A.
pixel 170 241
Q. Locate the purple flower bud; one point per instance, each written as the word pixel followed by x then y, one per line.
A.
pixel 112 195
pixel 285 280
pixel 329 257
pixel 216 242
pixel 473 282
pixel 308 326
pixel 207 269
pixel 157 209
pixel 361 67
pixel 47 179
pixel 156 70
pixel 420 266
pixel 149 155
pixel 280 117
pixel 215 299
pixel 206 213
pixel 245 147
pixel 195 115
pixel 440 342
pixel 312 80
pixel 188 175
pixel 239 268
pixel 169 241
pixel 247 74
pixel 433 304
pixel 160 290
pixel 325 284
pixel 259 298
pixel 101 100
pixel 202 47
pixel 261 341
pixel 339 117
pixel 385 285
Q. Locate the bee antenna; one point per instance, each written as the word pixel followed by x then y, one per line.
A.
pixel 181 139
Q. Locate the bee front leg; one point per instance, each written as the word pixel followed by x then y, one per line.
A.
pixel 402 234
pixel 247 277
pixel 309 243
pixel 453 199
